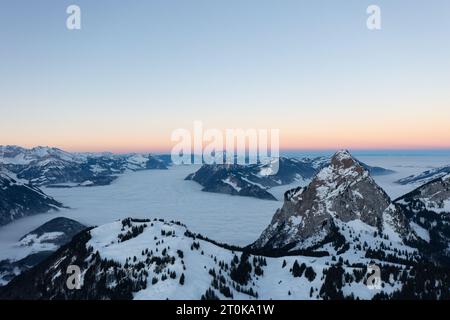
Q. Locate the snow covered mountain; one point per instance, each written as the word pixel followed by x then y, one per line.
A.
pixel 426 176
pixel 155 259
pixel 256 180
pixel 341 201
pixel 428 209
pixel 323 244
pixel 56 232
pixel 322 162
pixel 18 199
pixel 143 259
pixel 233 179
pixel 44 166
pixel 38 244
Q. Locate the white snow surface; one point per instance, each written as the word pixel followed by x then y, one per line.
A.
pixel 421 232
pixel 35 243
pixel 277 282
pixel 232 184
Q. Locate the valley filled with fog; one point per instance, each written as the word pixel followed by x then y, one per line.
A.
pixel 166 194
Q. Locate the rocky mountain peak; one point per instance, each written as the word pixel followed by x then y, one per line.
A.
pixel 343 191
pixel 342 172
pixel 343 158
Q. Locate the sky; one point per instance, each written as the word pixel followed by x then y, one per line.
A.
pixel 138 70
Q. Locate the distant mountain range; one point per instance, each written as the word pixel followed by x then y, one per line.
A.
pixel 322 244
pixel 255 180
pixel 24 171
pixel 52 167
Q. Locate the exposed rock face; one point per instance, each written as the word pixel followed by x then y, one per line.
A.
pixel 432 196
pixel 343 191
pixel 428 209
pixel 18 199
pixel 230 179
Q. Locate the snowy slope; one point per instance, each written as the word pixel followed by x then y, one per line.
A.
pixel 318 246
pixel 428 208
pixel 143 259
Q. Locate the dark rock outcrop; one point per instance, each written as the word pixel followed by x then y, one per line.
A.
pixel 428 209
pixel 18 199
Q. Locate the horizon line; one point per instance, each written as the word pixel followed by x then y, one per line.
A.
pixel 300 149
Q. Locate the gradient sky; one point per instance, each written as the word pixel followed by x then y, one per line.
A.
pixel 140 69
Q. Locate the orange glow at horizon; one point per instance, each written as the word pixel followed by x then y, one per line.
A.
pixel 344 130
pixel 288 141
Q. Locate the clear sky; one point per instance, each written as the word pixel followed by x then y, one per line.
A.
pixel 137 70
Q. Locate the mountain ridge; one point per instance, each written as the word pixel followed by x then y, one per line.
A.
pixel 256 180
pixel 18 199
pixel 321 244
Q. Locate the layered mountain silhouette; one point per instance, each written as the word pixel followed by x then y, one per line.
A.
pixel 52 167
pixel 255 180
pixel 321 244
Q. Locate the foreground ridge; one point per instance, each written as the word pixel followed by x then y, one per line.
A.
pixel 155 259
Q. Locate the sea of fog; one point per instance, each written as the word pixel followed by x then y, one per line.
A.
pixel 165 194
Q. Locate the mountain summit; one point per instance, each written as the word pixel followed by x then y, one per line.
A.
pixel 342 192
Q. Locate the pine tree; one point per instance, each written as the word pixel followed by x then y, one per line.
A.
pixel 182 279
pixel 310 274
pixel 297 270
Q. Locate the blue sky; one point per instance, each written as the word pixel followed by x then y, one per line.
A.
pixel 140 69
